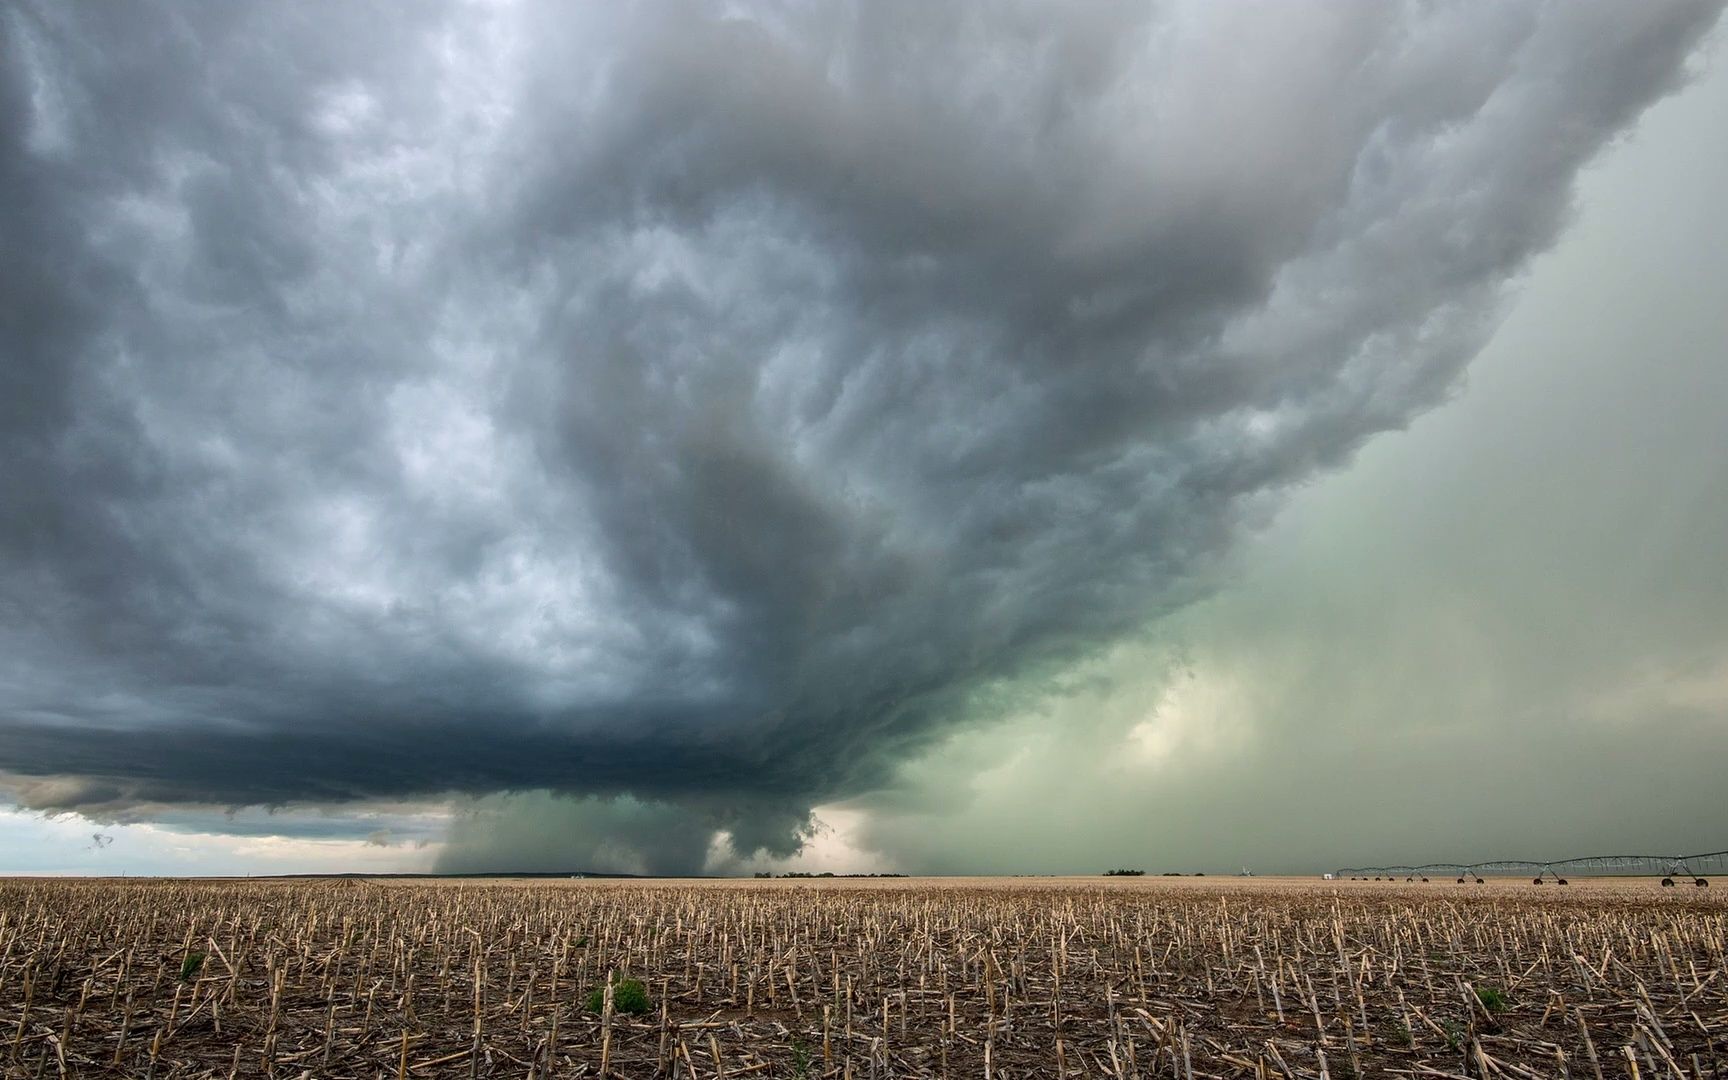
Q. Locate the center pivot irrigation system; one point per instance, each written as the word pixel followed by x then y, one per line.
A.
pixel 1672 869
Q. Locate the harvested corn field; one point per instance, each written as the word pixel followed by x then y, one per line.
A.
pixel 1006 978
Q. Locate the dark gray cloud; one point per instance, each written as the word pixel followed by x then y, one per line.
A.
pixel 538 831
pixel 709 409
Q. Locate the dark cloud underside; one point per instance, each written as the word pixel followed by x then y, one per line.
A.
pixel 629 399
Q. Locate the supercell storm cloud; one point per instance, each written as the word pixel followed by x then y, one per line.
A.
pixel 706 404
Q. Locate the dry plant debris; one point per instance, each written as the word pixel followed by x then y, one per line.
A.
pixel 930 978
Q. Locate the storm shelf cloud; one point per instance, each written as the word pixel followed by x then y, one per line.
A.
pixel 695 411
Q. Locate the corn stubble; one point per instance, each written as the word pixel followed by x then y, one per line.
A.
pixel 997 979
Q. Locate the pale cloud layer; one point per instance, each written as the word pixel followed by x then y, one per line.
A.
pixel 704 418
pixel 72 844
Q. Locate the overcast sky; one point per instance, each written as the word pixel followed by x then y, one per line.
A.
pixel 1022 439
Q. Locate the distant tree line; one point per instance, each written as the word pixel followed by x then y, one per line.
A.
pixel 1142 873
pixel 825 874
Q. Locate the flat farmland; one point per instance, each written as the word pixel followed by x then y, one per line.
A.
pixel 1001 978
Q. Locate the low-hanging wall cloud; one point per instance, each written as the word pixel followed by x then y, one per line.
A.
pixel 710 406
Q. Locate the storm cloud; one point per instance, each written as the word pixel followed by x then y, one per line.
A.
pixel 706 411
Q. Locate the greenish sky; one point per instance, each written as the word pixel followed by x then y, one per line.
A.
pixel 1501 633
